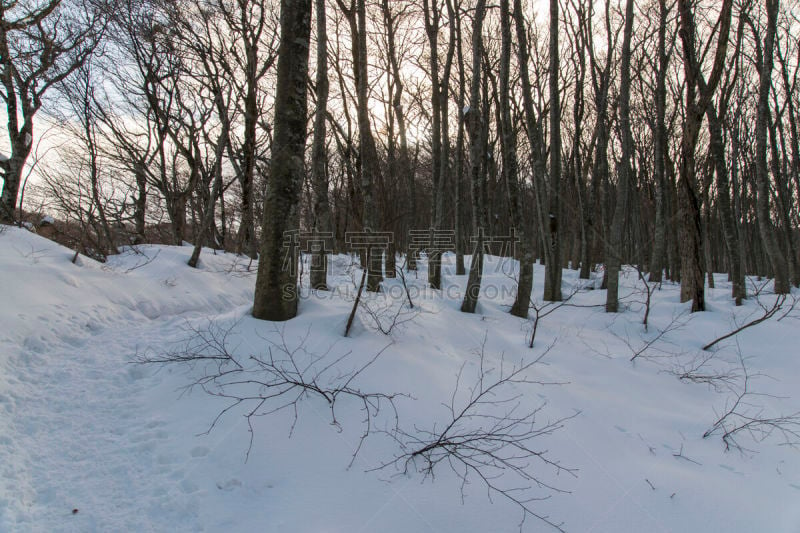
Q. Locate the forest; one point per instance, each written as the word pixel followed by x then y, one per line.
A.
pixel 661 134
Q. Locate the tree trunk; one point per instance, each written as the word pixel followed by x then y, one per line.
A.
pixel 552 272
pixel 659 147
pixel 730 232
pixel 477 155
pixel 276 284
pixel 369 169
pixel 458 177
pixel 319 178
pixel 508 142
pixel 614 249
pixel 690 231
pixel 766 228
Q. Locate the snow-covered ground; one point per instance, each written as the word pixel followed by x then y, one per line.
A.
pixel 85 428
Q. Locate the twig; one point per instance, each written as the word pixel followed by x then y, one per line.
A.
pixel 768 313
pixel 355 304
pixel 279 379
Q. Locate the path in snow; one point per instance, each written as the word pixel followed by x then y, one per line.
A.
pixel 85 439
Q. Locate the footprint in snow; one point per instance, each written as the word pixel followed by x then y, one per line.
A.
pixel 796 487
pixel 229 485
pixel 200 451
pixel 165 459
pixel 35 344
pixel 75 342
pixel 136 372
pixel 188 487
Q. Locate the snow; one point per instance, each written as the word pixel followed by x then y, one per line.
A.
pixel 127 445
pixel 3 157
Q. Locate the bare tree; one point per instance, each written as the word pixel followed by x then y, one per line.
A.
pixel 370 172
pixel 477 133
pixel 508 141
pixel 245 63
pixel 319 176
pixel 41 44
pixel 765 59
pixel 552 276
pixel 698 97
pixel 658 256
pixel 614 247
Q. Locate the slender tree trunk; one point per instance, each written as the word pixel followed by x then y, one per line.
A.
pixel 140 206
pixel 730 232
pixel 766 228
pixel 370 169
pixel 477 172
pixel 207 221
pixel 784 198
pixel 458 177
pixel 508 141
pixel 440 147
pixel 247 229
pixel 532 126
pixel 614 249
pixel 659 147
pixel 794 140
pixel 319 178
pixel 552 276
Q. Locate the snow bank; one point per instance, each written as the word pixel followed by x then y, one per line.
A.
pixel 126 445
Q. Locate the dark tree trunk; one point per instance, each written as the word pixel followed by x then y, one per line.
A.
pixel 766 228
pixel 369 170
pixel 476 130
pixel 508 142
pixel 730 232
pixel 614 249
pixel 698 97
pixel 659 147
pixel 552 276
pixel 319 178
pixel 276 285
pixel 458 177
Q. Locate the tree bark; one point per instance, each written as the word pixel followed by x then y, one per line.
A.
pixel 276 294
